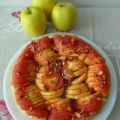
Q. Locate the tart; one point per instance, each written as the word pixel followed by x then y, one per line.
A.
pixel 60 77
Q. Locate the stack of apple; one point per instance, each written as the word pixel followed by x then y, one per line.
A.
pixel 34 18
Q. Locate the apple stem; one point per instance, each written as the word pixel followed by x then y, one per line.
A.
pixel 29 10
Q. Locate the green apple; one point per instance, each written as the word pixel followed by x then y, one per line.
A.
pixel 45 5
pixel 33 21
pixel 64 16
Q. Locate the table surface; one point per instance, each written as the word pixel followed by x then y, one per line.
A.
pixel 102 25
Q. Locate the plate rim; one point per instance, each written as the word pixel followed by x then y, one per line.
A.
pixel 87 40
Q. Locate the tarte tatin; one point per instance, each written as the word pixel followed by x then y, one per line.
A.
pixel 60 77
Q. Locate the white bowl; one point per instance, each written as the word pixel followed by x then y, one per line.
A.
pixel 18 115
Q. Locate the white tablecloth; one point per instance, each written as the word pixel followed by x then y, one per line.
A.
pixel 102 25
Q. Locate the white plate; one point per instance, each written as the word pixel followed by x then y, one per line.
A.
pixel 14 110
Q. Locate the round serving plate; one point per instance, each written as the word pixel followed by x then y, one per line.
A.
pixel 18 115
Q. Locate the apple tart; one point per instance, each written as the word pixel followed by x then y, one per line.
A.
pixel 60 77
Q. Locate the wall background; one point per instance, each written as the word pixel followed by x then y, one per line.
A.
pixel 81 3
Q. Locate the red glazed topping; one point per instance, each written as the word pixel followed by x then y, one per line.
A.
pixel 60 78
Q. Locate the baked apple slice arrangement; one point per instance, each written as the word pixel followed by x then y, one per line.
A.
pixel 60 77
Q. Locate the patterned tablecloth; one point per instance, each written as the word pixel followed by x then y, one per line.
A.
pixel 99 24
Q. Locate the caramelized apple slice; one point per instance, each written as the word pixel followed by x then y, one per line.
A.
pixel 35 118
pixel 60 115
pixel 91 60
pixel 39 45
pixel 98 78
pixel 79 79
pixel 49 76
pixel 50 83
pixel 63 104
pixel 44 56
pixel 77 89
pixel 87 54
pixel 24 72
pixel 74 64
pixel 52 94
pixel 31 93
pixel 78 96
pixel 89 105
pixel 53 100
pixel 34 95
pixel 64 44
pixel 74 68
pixel 39 112
pixel 30 100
